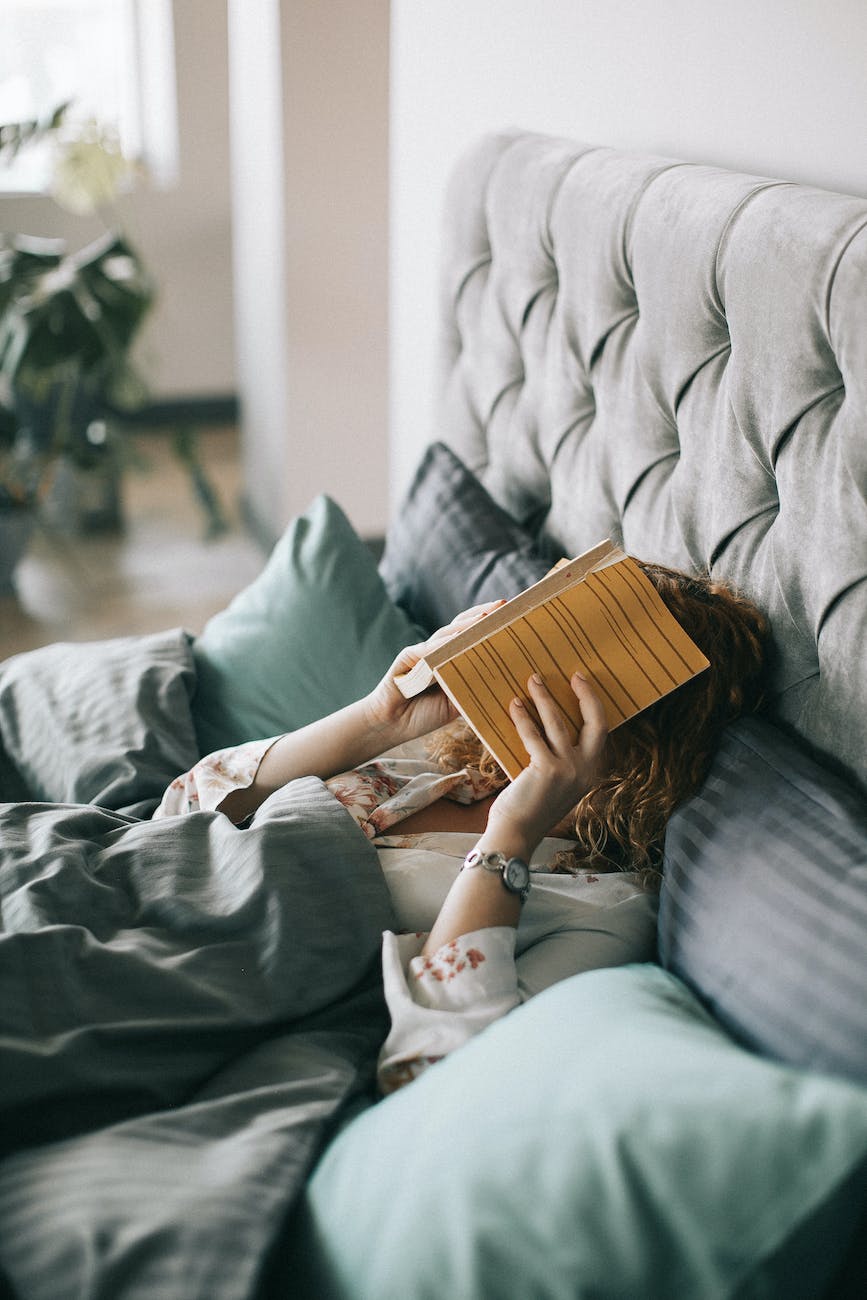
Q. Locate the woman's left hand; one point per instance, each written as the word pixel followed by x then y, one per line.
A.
pixel 389 710
pixel 561 769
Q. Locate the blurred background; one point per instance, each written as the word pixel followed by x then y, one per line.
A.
pixel 289 163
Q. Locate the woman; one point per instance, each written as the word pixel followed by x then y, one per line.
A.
pixel 478 939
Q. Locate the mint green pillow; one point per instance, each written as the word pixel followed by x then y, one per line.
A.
pixel 315 631
pixel 607 1139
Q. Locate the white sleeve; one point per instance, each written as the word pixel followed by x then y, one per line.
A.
pixel 206 785
pixel 592 938
pixel 437 1003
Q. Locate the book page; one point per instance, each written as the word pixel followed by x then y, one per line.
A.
pixel 563 574
pixel 612 627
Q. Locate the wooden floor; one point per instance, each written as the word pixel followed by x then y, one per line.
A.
pixel 159 572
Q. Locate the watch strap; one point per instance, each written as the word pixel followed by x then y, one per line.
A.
pixel 499 863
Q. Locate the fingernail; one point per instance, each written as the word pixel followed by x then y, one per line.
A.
pixel 537 679
pixel 579 676
pixel 519 704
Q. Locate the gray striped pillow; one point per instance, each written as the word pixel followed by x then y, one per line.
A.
pixel 764 902
pixel 451 546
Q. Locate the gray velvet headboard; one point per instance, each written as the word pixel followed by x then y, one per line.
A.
pixel 675 356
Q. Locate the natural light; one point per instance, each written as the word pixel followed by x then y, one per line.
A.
pixel 112 58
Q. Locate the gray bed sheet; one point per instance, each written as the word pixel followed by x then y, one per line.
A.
pixel 187 1009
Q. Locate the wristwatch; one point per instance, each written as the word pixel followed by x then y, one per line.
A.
pixel 514 872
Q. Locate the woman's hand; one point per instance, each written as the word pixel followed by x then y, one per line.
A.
pixel 389 710
pixel 560 772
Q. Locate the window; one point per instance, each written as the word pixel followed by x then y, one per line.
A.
pixel 113 58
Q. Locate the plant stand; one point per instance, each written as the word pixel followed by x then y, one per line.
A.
pixel 16 527
pixel 84 500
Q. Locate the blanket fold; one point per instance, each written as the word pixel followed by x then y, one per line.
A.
pixel 186 1007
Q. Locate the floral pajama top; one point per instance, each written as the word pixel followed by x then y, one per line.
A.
pixel 570 923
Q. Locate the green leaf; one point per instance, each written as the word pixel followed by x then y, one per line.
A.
pixel 22 261
pixel 15 136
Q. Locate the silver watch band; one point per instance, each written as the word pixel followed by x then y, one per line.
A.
pixel 514 872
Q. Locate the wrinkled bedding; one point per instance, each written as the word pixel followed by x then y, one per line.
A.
pixel 187 1009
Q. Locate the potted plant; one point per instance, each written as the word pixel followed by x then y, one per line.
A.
pixel 68 320
pixel 19 477
pixel 67 323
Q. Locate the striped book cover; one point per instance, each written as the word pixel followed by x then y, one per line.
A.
pixel 598 614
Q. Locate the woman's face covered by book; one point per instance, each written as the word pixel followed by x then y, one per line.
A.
pixel 660 757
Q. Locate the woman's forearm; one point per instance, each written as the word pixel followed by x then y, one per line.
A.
pixel 354 735
pixel 478 898
pixel 558 773
pixel 323 748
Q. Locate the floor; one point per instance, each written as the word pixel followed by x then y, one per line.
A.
pixel 159 572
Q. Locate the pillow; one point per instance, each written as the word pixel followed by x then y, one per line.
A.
pixel 605 1139
pixel 102 722
pixel 451 546
pixel 315 631
pixel 764 903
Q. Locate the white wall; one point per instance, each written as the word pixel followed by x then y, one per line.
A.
pixel 189 228
pixel 184 235
pixel 259 254
pixel 772 86
pixel 777 87
pixel 309 108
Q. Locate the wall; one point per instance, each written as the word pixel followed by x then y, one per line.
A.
pixel 309 111
pixel 183 233
pixel 778 88
pixel 258 233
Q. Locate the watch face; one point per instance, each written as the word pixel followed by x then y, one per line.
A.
pixel 516 875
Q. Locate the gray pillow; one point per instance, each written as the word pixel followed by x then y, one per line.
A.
pixel 764 902
pixel 101 722
pixel 451 546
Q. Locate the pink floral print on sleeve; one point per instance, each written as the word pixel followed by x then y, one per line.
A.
pixel 440 1000
pixel 206 785
pixel 466 972
pixel 362 791
pixel 381 794
pixel 447 962
pixel 399 1073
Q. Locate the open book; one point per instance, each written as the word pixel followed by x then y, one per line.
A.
pixel 598 614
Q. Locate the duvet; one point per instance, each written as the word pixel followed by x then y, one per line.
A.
pixel 187 1010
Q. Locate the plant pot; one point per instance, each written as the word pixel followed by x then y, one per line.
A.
pixel 16 526
pixel 84 499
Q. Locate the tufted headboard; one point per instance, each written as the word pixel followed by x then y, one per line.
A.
pixel 675 356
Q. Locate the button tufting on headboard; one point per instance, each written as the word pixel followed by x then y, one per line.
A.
pixel 675 356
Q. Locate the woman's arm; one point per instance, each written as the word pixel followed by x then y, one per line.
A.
pixel 357 733
pixel 560 771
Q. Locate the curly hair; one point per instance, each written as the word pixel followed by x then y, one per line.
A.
pixel 661 756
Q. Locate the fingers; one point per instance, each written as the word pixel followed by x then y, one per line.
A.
pixel 468 617
pixel 553 736
pixel 562 766
pixel 557 730
pixel 411 654
pixel 595 727
pixel 531 736
pixel 461 622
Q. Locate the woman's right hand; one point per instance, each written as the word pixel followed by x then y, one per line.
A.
pixel 390 710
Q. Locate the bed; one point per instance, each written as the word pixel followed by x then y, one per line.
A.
pixel 670 355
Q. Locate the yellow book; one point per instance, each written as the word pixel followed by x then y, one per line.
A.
pixel 599 615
